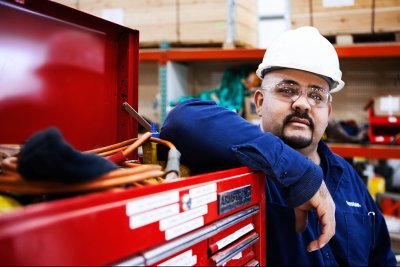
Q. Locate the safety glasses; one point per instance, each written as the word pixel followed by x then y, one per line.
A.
pixel 291 92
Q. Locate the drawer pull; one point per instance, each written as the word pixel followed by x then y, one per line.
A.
pixel 227 254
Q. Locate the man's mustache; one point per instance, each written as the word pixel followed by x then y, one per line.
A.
pixel 299 115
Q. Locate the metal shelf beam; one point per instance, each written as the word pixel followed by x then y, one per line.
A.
pixel 213 54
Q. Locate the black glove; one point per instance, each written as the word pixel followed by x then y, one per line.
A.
pixel 46 156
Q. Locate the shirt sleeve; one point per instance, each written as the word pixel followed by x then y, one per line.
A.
pixel 207 134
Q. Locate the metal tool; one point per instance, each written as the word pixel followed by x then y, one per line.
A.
pixel 136 115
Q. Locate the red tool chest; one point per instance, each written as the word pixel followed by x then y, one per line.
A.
pixel 153 225
pixel 64 68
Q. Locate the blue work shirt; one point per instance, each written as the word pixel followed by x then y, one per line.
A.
pixel 211 138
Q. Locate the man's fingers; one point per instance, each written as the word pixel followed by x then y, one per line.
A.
pixel 325 209
pixel 328 225
pixel 313 246
pixel 322 240
pixel 301 220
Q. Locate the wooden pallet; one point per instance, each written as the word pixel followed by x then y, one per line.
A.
pixel 348 39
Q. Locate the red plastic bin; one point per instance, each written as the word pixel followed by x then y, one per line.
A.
pixel 383 129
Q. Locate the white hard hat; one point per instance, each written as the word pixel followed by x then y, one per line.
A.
pixel 304 49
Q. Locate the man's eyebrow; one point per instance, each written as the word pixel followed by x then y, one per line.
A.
pixel 296 83
pixel 289 81
pixel 317 87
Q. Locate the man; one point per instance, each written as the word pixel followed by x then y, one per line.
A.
pixel 299 72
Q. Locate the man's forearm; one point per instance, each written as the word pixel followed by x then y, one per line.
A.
pixel 207 134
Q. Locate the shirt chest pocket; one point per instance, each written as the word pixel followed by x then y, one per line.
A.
pixel 359 236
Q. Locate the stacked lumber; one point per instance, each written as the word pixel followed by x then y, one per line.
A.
pixel 181 22
pixel 206 22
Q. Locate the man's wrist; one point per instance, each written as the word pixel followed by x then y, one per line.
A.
pixel 303 190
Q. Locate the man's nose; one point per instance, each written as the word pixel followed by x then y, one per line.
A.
pixel 301 103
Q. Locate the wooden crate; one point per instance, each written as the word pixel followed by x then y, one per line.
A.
pixel 156 20
pixel 332 20
pixel 387 16
pixel 361 18
pixel 300 14
pixel 186 22
pixel 205 22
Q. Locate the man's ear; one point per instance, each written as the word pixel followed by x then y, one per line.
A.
pixel 258 101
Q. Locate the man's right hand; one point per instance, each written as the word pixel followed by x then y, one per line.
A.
pixel 323 203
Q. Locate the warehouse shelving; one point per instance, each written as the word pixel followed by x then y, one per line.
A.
pixel 176 61
pixel 366 151
pixel 212 54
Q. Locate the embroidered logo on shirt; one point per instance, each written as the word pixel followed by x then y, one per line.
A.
pixel 353 204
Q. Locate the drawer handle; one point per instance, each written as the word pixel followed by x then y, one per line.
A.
pixel 225 255
pixel 253 263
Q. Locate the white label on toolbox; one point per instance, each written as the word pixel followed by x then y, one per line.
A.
pixel 141 219
pixel 185 259
pixel 202 190
pixel 234 236
pixel 203 200
pixel 152 202
pixel 184 228
pixel 183 217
